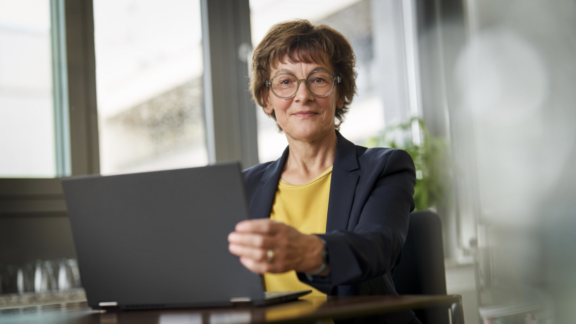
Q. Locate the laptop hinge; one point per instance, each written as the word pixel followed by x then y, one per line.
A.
pixel 108 304
pixel 241 299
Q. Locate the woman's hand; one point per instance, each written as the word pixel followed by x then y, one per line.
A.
pixel 291 250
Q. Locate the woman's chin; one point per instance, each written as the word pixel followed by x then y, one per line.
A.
pixel 306 134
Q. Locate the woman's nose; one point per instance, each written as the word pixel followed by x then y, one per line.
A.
pixel 303 94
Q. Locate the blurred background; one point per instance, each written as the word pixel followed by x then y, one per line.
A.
pixel 482 93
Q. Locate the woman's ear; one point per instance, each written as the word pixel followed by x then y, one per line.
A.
pixel 269 109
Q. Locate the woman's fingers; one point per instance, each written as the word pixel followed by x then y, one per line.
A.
pixel 255 266
pixel 248 252
pixel 257 260
pixel 253 240
pixel 262 267
pixel 263 226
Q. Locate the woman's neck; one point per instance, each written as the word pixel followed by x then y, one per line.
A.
pixel 307 160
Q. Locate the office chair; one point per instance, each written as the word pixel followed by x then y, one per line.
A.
pixel 420 270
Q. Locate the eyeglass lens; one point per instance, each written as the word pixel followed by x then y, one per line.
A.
pixel 320 83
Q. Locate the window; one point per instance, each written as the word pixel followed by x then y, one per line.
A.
pixel 26 91
pixel 149 84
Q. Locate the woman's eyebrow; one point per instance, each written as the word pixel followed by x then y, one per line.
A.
pixel 316 68
pixel 283 71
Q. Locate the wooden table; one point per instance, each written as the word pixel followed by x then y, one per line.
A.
pixel 303 310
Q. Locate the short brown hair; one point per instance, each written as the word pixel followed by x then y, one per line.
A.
pixel 301 41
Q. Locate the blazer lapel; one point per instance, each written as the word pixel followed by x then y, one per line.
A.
pixel 267 192
pixel 342 186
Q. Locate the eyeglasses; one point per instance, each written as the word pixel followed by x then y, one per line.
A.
pixel 319 82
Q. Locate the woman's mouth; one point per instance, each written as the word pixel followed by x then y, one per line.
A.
pixel 305 114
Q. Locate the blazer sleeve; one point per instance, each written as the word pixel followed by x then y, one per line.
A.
pixel 371 247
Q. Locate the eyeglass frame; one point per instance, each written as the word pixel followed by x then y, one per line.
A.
pixel 335 80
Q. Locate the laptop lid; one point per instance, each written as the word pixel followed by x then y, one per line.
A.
pixel 159 239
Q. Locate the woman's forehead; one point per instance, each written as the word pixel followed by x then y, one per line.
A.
pixel 291 63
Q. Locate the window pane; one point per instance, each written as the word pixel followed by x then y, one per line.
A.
pixel 353 19
pixel 27 146
pixel 149 83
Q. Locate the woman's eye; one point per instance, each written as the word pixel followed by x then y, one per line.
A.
pixel 318 80
pixel 284 82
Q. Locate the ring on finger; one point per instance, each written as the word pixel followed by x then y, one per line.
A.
pixel 269 255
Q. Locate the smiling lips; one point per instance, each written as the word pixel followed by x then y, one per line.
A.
pixel 305 114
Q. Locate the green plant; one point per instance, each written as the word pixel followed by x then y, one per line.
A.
pixel 431 159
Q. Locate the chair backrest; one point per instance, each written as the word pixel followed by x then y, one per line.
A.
pixel 421 267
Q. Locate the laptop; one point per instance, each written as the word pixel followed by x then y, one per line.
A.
pixel 159 239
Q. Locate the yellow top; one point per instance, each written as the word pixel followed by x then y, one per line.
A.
pixel 304 207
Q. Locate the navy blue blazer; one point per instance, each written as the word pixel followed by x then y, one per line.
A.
pixel 370 199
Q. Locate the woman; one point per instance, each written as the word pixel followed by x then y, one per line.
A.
pixel 328 214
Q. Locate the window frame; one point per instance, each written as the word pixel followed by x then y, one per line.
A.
pixel 230 120
pixel 76 119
